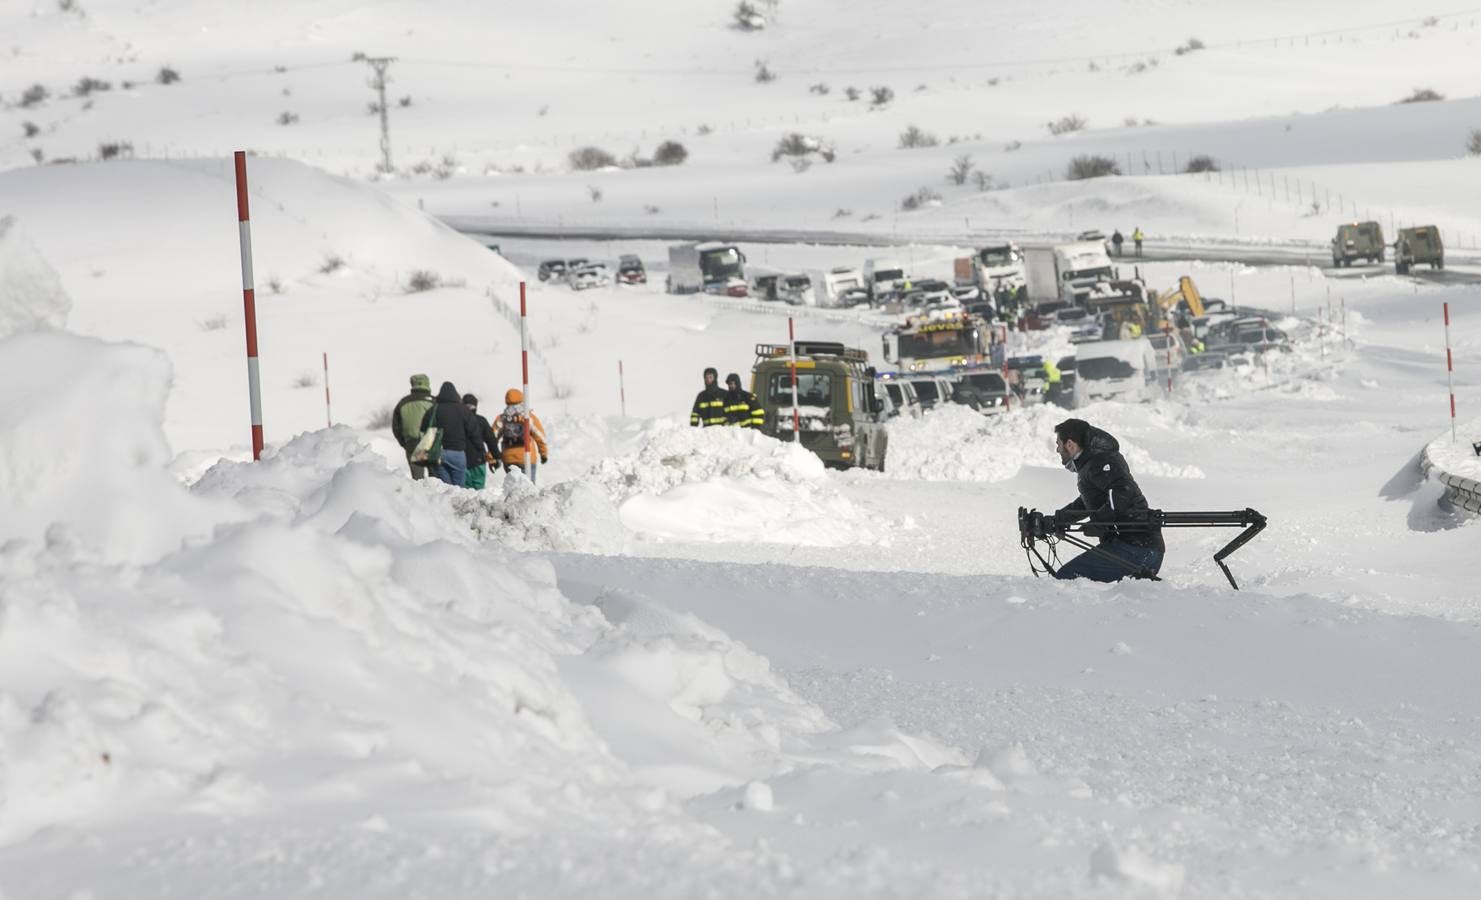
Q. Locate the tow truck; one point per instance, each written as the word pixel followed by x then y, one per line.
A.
pixel 938 339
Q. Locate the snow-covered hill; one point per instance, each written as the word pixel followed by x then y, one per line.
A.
pixel 693 662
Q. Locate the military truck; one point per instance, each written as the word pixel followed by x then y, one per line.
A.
pixel 1357 240
pixel 837 413
pixel 1417 246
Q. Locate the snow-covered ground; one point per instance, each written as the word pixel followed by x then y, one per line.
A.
pixel 695 663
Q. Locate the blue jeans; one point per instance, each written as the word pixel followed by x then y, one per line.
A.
pixel 1097 568
pixel 454 467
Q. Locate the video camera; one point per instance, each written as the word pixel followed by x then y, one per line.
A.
pixel 1035 527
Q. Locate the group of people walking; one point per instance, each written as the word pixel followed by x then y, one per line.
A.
pixel 732 406
pixel 444 435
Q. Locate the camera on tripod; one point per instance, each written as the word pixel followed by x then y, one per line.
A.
pixel 1035 527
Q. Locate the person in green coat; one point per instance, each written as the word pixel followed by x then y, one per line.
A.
pixel 406 421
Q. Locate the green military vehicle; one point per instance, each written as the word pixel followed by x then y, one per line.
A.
pixel 1357 240
pixel 1417 246
pixel 839 416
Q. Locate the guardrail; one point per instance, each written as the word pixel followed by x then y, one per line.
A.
pixel 1460 491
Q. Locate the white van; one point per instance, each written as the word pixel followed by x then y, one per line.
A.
pixel 1115 370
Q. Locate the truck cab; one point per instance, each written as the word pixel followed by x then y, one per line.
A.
pixel 711 267
pixel 838 415
pixel 884 278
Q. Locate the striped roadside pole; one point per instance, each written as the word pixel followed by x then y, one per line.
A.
pixel 249 304
pixel 792 350
pixel 328 412
pixel 622 388
pixel 524 367
pixel 1450 372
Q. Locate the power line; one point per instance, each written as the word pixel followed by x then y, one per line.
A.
pixel 379 64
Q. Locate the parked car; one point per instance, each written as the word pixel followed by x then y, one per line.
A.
pixel 854 296
pixel 985 392
pixel 897 398
pixel 930 391
pixel 1042 316
pixel 1170 350
pixel 1027 378
pixel 551 268
pixel 1207 361
pixel 1248 333
pixel 588 276
pixel 929 293
pixel 796 290
pixel 1083 325
pixel 1067 368
pixel 630 270
pixel 1114 370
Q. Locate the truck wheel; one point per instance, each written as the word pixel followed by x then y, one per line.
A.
pixel 1440 263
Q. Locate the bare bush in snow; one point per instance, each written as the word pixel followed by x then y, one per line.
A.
pixel 961 168
pixel 922 197
pixel 586 159
pixel 1066 125
pixel 1091 166
pixel 1423 95
pixel 912 137
pixel 1202 163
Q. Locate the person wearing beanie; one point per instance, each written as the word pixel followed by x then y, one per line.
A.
pixel 512 425
pixel 1108 494
pixel 451 416
pixel 406 421
pixel 741 407
pixel 479 450
pixel 709 404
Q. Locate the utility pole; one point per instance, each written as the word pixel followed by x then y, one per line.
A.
pixel 379 64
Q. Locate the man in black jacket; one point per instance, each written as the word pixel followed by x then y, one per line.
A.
pixel 741 407
pixel 709 404
pixel 458 434
pixel 483 442
pixel 1108 495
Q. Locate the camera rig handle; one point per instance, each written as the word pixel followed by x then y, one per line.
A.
pixel 1033 527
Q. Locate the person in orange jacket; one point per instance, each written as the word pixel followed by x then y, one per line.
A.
pixel 511 425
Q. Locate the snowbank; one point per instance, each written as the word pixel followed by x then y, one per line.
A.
pixel 674 483
pixel 954 443
pixel 31 295
pixel 317 638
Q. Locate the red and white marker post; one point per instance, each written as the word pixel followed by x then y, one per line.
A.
pixel 622 388
pixel 1167 330
pixel 524 368
pixel 328 411
pixel 792 352
pixel 249 304
pixel 1450 372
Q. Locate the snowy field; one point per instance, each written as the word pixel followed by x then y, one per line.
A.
pixel 694 662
